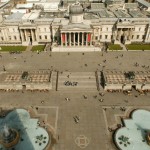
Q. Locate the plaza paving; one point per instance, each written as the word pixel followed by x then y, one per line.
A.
pixel 92 128
pixel 75 61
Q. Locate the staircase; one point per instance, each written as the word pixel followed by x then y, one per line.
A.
pixel 123 47
pixel 86 81
pixel 29 48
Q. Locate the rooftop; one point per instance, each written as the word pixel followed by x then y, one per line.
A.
pixel 15 16
pixel 136 14
pixel 143 2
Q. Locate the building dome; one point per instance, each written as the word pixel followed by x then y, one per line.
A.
pixel 76 8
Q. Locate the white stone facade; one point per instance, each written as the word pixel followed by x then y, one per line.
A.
pixel 81 28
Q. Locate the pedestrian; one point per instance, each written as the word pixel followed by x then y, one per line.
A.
pixel 4 68
pixel 42 102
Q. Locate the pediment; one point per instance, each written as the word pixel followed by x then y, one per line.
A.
pixel 76 27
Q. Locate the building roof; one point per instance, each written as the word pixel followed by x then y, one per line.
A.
pixel 143 2
pixel 97 6
pixel 136 14
pixel 76 8
pixel 29 5
pixel 15 16
pixel 130 5
pixel 104 13
pixel 120 13
pixel 31 16
pixel 19 10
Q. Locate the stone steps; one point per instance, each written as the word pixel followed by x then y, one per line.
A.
pixel 85 81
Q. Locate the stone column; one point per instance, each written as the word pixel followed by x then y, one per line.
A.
pixel 91 39
pixel 74 39
pixel 33 30
pixel 25 33
pixel 130 34
pixel 147 35
pixel 32 35
pixel 78 38
pixel 22 36
pixel 61 39
pixel 69 39
pixel 65 39
pixel 5 34
pixel 82 38
pixel 86 39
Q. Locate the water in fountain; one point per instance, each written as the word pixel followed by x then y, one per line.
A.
pixel 6 131
pixel 7 134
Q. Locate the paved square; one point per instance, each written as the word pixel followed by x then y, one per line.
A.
pixel 91 131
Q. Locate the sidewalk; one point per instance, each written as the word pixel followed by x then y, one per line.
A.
pixel 29 48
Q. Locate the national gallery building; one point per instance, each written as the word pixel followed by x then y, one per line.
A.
pixel 77 25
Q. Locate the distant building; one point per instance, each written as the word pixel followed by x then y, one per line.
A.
pixel 76 25
pixel 20 2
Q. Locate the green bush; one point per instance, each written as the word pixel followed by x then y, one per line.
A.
pixel 114 47
pixel 138 46
pixel 12 48
pixel 38 48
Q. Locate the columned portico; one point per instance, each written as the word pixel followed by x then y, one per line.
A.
pixel 76 38
pixel 123 35
pixel 28 36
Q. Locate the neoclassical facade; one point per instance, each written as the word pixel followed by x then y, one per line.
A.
pixel 77 25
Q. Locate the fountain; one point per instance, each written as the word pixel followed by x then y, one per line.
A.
pixel 9 137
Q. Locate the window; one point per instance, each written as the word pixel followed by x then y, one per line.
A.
pixel 15 37
pixel 2 38
pixel 106 36
pixel 40 37
pixel 55 38
pixel 100 36
pixel 9 37
pixel 107 29
pixel 132 36
pixel 139 29
pixel 96 37
pixel 46 37
pixel 39 29
pixel 138 36
pixel 143 36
